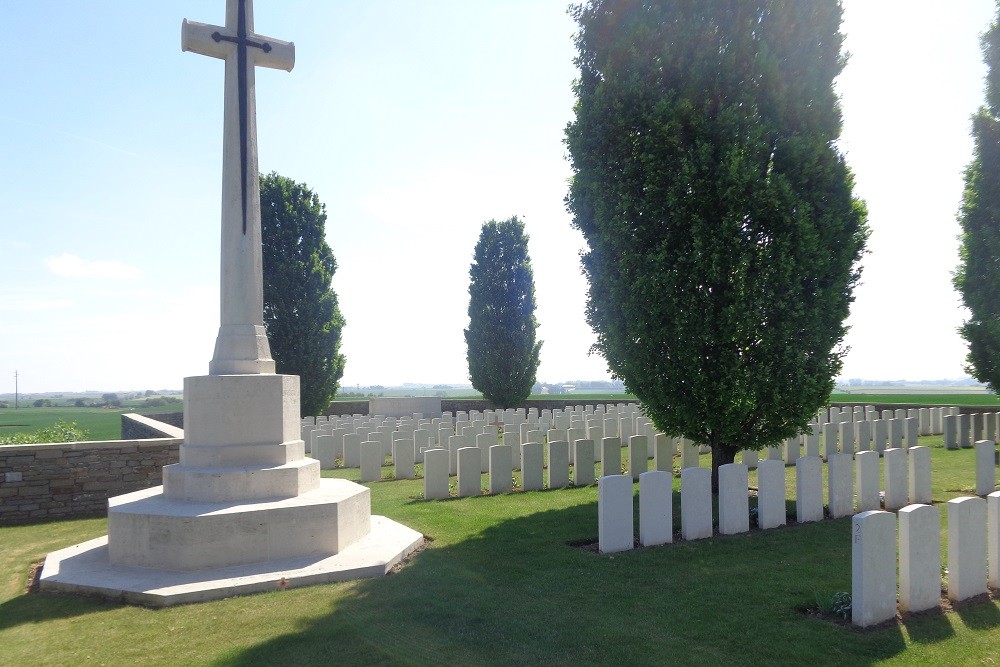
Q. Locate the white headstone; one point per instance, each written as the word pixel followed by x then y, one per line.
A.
pixel 324 452
pixel 663 453
pixel 986 471
pixel 897 485
pixel 966 548
pixel 809 489
pixel 919 459
pixel 637 455
pixel 436 474
pixel 770 494
pixel 372 459
pixel 830 438
pixel 696 503
pixel 611 456
pixel 402 459
pixel 470 480
pixel 352 450
pixel 615 523
pixel 501 468
pixel 583 462
pixel 873 568
pixel 734 508
pixel 689 454
pixel 866 471
pixel 656 508
pixel 919 557
pixel 841 485
pixel 950 428
pixel 532 466
pixel 993 539
pixel 558 464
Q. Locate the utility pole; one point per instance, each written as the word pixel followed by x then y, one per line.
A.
pixel 15 390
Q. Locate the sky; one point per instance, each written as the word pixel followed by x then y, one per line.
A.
pixel 414 123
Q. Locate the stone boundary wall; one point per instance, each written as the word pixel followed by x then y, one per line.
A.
pixel 146 427
pixel 453 405
pixel 963 409
pixel 75 479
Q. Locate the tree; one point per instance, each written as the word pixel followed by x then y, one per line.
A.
pixel 502 350
pixel 978 276
pixel 722 236
pixel 301 313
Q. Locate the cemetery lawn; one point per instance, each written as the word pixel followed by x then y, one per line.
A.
pixel 502 583
pixel 100 423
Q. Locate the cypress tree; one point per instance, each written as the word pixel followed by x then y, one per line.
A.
pixel 723 238
pixel 978 276
pixel 301 314
pixel 502 350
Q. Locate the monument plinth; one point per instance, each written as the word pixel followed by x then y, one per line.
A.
pixel 245 510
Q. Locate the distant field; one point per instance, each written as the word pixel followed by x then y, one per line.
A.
pixel 100 423
pixel 105 423
pixel 919 399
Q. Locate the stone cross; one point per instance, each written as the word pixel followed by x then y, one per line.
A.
pixel 241 346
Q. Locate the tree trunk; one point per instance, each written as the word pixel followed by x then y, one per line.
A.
pixel 721 455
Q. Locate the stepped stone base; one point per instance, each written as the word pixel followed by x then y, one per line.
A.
pixel 148 529
pixel 86 569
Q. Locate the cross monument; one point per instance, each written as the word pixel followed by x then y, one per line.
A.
pixel 241 346
pixel 244 509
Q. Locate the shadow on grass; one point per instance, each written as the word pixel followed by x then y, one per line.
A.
pixel 982 615
pixel 929 628
pixel 40 607
pixel 517 593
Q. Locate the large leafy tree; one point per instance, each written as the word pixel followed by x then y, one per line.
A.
pixel 722 235
pixel 502 350
pixel 301 315
pixel 978 274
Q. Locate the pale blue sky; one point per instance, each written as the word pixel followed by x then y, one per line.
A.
pixel 414 122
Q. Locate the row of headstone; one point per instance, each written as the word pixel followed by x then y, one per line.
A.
pixel 516 424
pixel 929 419
pixel 963 430
pixel 616 529
pixel 907 480
pixel 500 468
pixel 973 557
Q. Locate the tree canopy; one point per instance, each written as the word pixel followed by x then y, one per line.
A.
pixel 978 275
pixel 301 314
pixel 723 238
pixel 502 350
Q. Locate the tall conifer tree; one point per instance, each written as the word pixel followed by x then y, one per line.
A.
pixel 978 276
pixel 502 350
pixel 722 235
pixel 301 314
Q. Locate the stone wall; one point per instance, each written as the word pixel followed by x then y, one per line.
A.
pixel 454 405
pixel 145 427
pixel 74 479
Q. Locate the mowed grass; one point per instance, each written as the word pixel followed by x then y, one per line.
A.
pixel 100 423
pixel 502 583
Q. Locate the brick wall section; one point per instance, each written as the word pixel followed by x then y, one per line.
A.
pixel 74 479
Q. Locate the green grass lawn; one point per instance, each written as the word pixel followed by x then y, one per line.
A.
pixel 100 423
pixel 500 584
